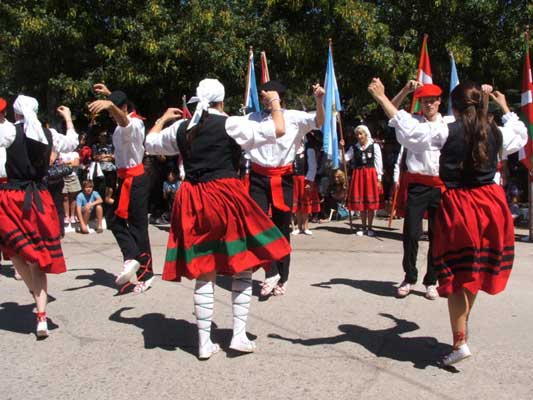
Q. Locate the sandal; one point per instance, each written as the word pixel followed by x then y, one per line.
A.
pixel 269 285
pixel 280 289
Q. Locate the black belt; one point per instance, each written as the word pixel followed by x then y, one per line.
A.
pixel 31 189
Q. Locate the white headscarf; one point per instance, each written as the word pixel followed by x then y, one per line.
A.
pixel 28 107
pixel 208 91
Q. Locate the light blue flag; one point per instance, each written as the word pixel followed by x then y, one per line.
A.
pixel 454 81
pixel 332 105
pixel 251 101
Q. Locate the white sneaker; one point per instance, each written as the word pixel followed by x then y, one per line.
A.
pixel 242 344
pixel 142 287
pixel 308 232
pixel 431 292
pixel 42 329
pixel 207 350
pixel 457 355
pixel 360 233
pixel 129 269
pixel 404 289
pixel 295 232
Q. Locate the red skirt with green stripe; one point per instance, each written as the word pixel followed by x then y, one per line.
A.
pixel 31 234
pixel 216 226
pixel 473 246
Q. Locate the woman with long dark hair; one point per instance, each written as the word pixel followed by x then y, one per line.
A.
pixel 474 233
pixel 215 225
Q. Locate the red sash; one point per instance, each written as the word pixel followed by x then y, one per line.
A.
pixel 124 200
pixel 426 180
pixel 275 174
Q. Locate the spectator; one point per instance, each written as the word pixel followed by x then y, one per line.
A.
pixel 170 187
pixel 71 189
pixel 88 206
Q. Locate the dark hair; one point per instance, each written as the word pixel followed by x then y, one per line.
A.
pixel 471 104
pixel 87 184
pixel 191 133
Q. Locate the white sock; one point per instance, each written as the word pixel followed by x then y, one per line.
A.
pixel 241 294
pixel 203 308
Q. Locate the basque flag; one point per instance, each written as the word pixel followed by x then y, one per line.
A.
pixel 424 72
pixel 526 109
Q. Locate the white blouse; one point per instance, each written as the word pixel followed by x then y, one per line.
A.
pixel 248 134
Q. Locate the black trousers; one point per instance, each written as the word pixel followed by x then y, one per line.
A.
pixel 132 234
pixel 420 198
pixel 261 192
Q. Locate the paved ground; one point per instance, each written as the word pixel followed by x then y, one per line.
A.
pixel 339 333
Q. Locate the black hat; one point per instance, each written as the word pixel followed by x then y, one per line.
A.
pixel 118 97
pixel 275 86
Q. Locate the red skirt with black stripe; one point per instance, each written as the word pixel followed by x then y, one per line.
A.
pixel 473 245
pixel 304 201
pixel 33 235
pixel 217 226
pixel 364 193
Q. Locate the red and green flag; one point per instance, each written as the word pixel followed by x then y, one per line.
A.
pixel 185 110
pixel 424 72
pixel 526 109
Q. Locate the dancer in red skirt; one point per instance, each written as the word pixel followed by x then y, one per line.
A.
pixel 29 226
pixel 216 227
pixel 305 198
pixel 474 233
pixel 365 186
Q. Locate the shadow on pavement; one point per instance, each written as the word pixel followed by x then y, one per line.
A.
pixel 99 277
pixel 7 270
pixel 379 288
pixel 421 351
pixel 21 318
pixel 170 334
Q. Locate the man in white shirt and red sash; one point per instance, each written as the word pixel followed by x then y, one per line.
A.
pixel 424 188
pixel 129 219
pixel 271 182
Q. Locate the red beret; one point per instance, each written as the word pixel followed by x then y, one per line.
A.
pixel 3 104
pixel 428 90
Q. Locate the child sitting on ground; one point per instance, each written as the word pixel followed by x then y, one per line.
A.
pixel 89 203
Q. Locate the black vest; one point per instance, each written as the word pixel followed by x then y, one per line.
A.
pixel 27 159
pixel 212 154
pixel 363 158
pixel 454 153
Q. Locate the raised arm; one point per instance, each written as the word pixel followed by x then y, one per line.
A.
pixel 409 87
pixel 514 131
pixel 69 142
pixel 318 93
pixel 161 141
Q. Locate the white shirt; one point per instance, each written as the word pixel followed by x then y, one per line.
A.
pixel 283 151
pixel 248 134
pixel 311 165
pixel 69 157
pixel 378 159
pixel 60 143
pixel 423 137
pixel 128 143
pixel 420 160
pixel 4 126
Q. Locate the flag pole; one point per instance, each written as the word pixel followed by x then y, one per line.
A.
pixel 339 121
pixel 530 177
